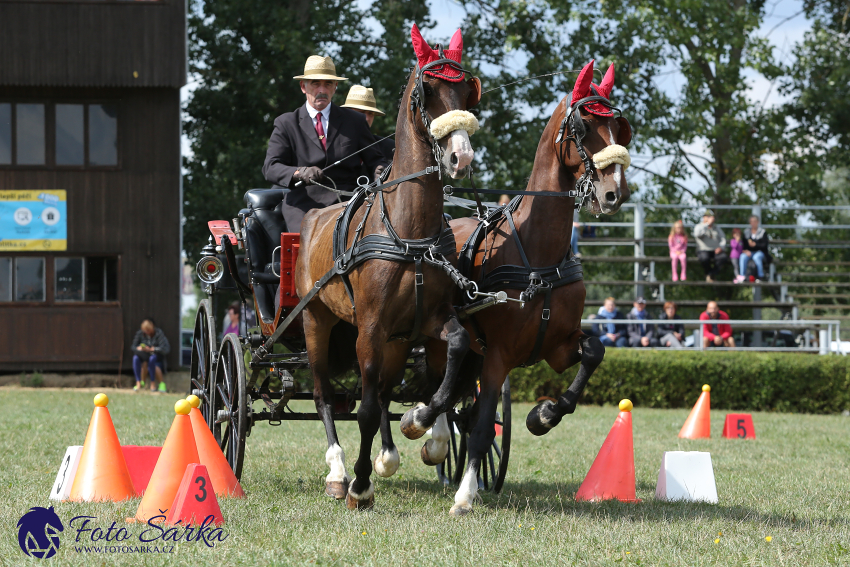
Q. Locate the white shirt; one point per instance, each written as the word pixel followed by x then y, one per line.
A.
pixel 324 114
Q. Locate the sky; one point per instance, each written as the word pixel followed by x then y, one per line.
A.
pixel 784 26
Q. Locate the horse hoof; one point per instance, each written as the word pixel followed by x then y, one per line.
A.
pixel 336 489
pixel 386 462
pixel 459 510
pixel 542 418
pixel 409 427
pixel 426 456
pixel 362 501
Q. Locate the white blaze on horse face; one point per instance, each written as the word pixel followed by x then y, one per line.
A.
pixel 458 153
pixel 386 463
pixel 618 168
pixel 335 458
pixel 437 446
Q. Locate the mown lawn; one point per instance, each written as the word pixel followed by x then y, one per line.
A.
pixel 792 485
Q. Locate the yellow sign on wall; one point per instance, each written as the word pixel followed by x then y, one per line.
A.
pixel 33 220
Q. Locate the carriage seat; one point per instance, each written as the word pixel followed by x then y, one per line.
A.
pixel 263 228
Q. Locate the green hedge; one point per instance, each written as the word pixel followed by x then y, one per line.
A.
pixel 673 379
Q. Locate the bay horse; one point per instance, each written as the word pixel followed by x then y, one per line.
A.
pixel 389 297
pixel 582 148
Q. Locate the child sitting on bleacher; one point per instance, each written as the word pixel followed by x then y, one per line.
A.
pixel 678 243
pixel 736 246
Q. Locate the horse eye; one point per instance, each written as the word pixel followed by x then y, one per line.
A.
pixel 428 90
pixel 586 124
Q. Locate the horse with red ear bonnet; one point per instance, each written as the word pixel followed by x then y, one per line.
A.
pixel 376 300
pixel 524 249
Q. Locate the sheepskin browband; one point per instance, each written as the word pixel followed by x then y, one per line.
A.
pixel 453 120
pixel 614 153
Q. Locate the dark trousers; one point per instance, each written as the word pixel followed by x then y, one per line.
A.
pixel 705 258
pixel 153 361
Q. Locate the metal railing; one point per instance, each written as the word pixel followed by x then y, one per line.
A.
pixel 827 330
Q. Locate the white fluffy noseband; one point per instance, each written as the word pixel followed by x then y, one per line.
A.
pixel 453 120
pixel 614 153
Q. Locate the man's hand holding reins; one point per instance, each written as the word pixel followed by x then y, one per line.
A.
pixel 309 175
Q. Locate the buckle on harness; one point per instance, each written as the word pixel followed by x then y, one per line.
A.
pixel 420 279
pixel 546 313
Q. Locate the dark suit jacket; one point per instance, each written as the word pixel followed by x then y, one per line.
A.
pixel 294 144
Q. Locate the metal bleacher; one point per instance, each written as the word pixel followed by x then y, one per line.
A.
pixel 808 282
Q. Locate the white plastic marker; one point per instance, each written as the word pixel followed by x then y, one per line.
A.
pixel 686 476
pixel 67 471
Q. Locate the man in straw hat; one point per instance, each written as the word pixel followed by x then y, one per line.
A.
pixel 362 100
pixel 313 137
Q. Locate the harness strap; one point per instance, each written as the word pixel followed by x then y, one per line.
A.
pixel 541 331
pixel 420 300
pixel 516 238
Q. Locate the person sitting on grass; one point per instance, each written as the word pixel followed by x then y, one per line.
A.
pixel 611 334
pixel 714 333
pixel 640 334
pixel 672 334
pixel 149 350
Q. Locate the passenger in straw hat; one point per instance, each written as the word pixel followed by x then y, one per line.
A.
pixel 313 137
pixel 362 100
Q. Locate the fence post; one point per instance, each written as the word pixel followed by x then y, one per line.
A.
pixel 639 248
pixel 822 339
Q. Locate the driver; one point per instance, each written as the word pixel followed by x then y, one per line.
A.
pixel 313 137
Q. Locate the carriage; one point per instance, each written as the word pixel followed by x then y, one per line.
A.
pixel 255 257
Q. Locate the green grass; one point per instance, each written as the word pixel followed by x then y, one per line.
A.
pixel 792 484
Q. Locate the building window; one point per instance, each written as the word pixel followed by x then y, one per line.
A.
pixel 69 279
pixel 29 279
pixel 5 279
pixel 70 134
pixel 101 279
pixel 29 134
pixel 83 135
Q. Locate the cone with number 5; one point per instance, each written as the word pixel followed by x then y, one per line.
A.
pixel 178 452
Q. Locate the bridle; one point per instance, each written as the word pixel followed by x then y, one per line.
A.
pixel 417 101
pixel 573 126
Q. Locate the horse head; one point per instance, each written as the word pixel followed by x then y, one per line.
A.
pixel 440 94
pixel 592 142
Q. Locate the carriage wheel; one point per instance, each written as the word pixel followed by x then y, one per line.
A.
pixel 204 353
pixel 230 403
pixel 494 466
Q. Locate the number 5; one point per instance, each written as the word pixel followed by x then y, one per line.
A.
pixel 742 430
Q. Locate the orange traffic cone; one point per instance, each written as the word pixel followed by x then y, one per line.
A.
pixel 178 452
pixel 103 473
pixel 698 424
pixel 612 474
pixel 223 480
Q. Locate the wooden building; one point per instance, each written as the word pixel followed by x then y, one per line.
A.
pixel 90 105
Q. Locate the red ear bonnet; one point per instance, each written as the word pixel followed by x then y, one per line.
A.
pixel 583 89
pixel 425 54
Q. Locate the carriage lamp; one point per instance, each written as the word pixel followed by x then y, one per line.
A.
pixel 210 269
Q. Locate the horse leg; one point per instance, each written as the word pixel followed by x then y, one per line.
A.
pixel 548 414
pixel 386 462
pixel 380 364
pixel 416 421
pixel 436 448
pixel 318 322
pixel 483 431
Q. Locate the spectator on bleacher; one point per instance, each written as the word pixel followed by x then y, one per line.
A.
pixel 715 333
pixel 755 249
pixel 672 334
pixel 678 243
pixel 610 333
pixel 711 244
pixel 736 246
pixel 640 334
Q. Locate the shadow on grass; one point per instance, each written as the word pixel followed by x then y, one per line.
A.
pixel 559 499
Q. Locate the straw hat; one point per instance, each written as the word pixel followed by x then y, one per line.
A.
pixel 361 98
pixel 319 68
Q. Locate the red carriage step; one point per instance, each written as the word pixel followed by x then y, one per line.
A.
pixel 219 228
pixel 290 242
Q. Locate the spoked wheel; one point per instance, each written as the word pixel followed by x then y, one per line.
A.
pixel 204 354
pixel 494 466
pixel 230 403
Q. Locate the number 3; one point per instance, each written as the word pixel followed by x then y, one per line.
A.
pixel 203 488
pixel 742 431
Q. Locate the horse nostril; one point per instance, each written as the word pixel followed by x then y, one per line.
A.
pixel 610 196
pixel 454 159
